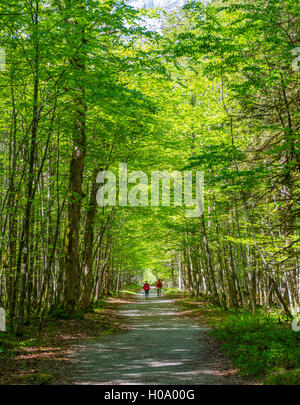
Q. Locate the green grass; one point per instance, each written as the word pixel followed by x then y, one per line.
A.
pixel 37 378
pixel 127 290
pixel 260 346
pixel 9 344
pixel 173 292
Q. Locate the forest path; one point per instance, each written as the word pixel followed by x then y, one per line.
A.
pixel 161 347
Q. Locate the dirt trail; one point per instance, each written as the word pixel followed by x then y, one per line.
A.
pixel 160 348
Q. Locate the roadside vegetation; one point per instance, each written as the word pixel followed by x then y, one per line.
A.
pixel 261 346
pixel 42 354
pixel 87 88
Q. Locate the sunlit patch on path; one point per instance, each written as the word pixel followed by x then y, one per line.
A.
pixel 160 348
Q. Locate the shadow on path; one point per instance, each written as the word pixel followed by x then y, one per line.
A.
pixel 160 348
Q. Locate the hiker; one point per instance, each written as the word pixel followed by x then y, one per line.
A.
pixel 158 287
pixel 146 288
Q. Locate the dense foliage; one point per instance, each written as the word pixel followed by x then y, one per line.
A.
pixel 85 88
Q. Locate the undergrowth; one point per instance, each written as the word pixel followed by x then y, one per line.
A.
pixel 263 346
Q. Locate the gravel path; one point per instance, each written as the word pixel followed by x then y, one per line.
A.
pixel 161 347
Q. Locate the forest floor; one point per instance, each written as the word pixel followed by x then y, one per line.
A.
pixel 171 340
pixel 160 347
pixel 44 358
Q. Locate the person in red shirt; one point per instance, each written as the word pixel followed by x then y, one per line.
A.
pixel 158 287
pixel 146 288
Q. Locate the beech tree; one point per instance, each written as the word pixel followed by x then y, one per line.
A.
pixel 85 87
